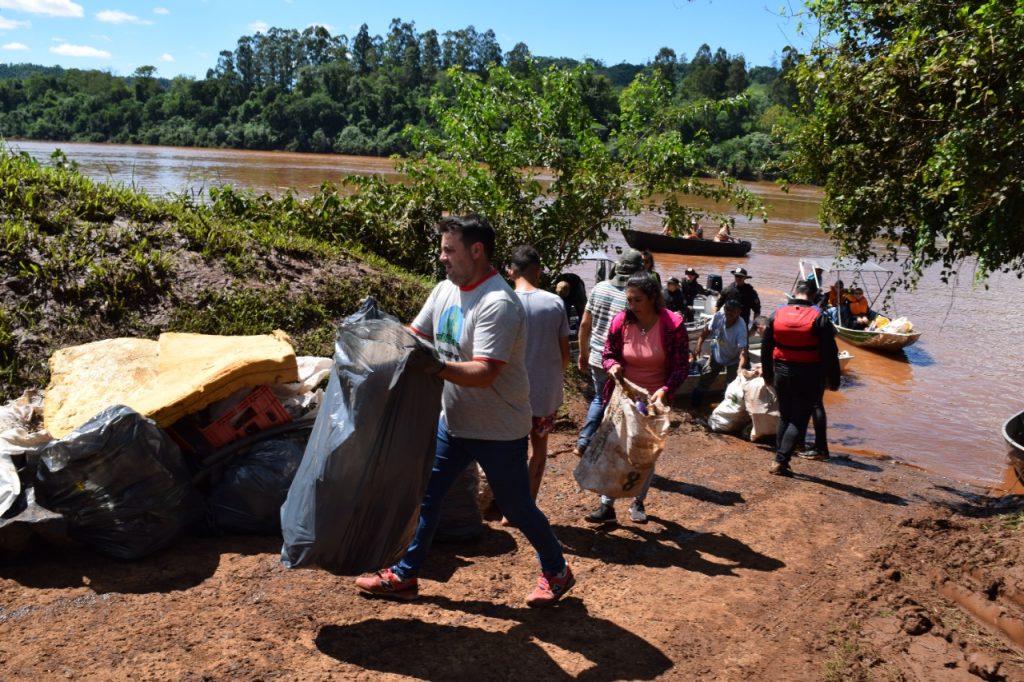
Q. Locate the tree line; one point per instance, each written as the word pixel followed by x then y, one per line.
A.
pixel 312 91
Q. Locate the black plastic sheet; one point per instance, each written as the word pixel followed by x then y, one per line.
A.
pixel 354 503
pixel 120 482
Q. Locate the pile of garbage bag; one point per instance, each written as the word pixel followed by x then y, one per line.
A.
pixel 749 401
pixel 126 483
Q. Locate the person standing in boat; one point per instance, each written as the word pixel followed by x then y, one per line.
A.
pixel 799 356
pixel 728 349
pixel 743 292
pixel 675 299
pixel 691 289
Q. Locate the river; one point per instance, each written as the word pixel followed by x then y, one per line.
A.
pixel 939 404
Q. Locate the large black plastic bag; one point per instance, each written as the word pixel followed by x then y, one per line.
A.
pixel 120 482
pixel 354 503
pixel 249 496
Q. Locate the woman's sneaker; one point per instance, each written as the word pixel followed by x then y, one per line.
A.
pixel 814 454
pixel 603 514
pixel 387 584
pixel 550 588
pixel 637 513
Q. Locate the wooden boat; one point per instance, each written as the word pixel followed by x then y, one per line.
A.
pixel 860 274
pixel 1013 434
pixel 663 243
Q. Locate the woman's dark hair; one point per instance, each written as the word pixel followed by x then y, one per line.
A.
pixel 648 258
pixel 647 283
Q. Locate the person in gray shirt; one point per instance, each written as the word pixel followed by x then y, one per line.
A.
pixel 547 353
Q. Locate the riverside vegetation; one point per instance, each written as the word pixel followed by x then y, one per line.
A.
pixel 85 261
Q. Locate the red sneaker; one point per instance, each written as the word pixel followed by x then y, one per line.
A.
pixel 386 584
pixel 550 588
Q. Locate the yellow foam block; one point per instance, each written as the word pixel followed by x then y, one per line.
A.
pixel 165 380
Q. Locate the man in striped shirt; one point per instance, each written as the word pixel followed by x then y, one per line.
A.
pixel 607 299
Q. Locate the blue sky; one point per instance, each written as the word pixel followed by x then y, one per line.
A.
pixel 185 36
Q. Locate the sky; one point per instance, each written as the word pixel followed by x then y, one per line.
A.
pixel 184 37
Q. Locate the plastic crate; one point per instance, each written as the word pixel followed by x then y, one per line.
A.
pixel 258 411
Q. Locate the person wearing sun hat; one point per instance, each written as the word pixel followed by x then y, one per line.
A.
pixel 607 299
pixel 741 291
pixel 691 289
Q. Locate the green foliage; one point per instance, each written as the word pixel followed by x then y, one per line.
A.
pixel 663 147
pixel 916 129
pixel 85 261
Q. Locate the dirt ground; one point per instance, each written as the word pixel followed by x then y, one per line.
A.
pixel 853 570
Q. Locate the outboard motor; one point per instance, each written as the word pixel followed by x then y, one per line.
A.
pixel 714 283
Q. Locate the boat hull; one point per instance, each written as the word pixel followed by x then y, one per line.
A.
pixel 1013 434
pixel 663 243
pixel 887 342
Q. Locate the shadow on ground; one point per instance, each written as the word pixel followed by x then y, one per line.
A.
pixel 592 649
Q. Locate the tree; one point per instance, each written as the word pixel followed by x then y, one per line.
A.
pixel 665 66
pixel 915 131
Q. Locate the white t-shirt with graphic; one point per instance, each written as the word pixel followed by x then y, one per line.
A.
pixel 484 321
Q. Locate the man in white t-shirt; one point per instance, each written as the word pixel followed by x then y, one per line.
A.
pixel 479 329
pixel 547 353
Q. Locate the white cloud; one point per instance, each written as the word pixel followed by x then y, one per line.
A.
pixel 259 27
pixel 166 57
pixel 51 8
pixel 11 24
pixel 161 10
pixel 116 16
pixel 68 50
pixel 14 46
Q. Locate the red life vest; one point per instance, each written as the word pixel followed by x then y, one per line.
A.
pixel 794 339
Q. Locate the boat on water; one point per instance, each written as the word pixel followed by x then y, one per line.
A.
pixel 874 279
pixel 1013 434
pixel 663 243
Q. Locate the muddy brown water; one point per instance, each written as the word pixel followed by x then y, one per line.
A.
pixel 939 404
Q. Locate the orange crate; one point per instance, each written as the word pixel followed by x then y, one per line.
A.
pixel 260 410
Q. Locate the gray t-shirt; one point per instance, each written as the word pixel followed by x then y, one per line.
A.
pixel 545 315
pixel 726 342
pixel 484 321
pixel 605 302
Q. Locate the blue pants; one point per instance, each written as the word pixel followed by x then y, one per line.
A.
pixel 595 413
pixel 504 462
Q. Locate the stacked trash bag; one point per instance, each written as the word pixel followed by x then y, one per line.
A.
pixel 341 486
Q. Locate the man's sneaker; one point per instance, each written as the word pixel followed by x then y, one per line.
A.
pixel 550 588
pixel 386 584
pixel 637 513
pixel 814 454
pixel 602 514
pixel 780 469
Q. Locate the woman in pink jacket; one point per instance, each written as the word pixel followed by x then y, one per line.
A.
pixel 647 344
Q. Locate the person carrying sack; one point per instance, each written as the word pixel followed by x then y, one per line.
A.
pixel 648 345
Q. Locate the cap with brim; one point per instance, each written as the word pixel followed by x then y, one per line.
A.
pixel 690 271
pixel 741 272
pixel 673 280
pixel 630 262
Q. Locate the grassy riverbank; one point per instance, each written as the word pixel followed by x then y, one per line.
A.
pixel 84 261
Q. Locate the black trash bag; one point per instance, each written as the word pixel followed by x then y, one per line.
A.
pixel 460 513
pixel 354 503
pixel 26 521
pixel 120 482
pixel 249 496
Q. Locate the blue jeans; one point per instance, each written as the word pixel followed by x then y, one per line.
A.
pixel 596 411
pixel 504 462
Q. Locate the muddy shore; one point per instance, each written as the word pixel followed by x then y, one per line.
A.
pixel 855 569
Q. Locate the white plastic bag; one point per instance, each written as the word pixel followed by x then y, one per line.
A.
pixel 731 414
pixel 763 406
pixel 626 445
